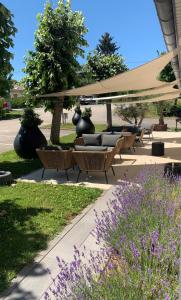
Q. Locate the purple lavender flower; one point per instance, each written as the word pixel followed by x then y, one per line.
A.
pixel 134 250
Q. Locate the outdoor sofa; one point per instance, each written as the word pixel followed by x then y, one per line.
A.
pixel 96 152
pixel 137 131
pixel 92 152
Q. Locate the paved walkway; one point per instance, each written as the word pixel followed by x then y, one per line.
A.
pixel 33 280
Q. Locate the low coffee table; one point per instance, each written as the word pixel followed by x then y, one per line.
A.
pixel 158 149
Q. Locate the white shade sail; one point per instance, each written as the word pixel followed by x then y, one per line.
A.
pixel 141 78
pixel 165 89
pixel 166 97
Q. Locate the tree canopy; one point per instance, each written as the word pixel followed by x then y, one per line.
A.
pixel 104 66
pixel 131 113
pixel 166 75
pixel 53 65
pixel 106 45
pixel 7 32
pixel 105 61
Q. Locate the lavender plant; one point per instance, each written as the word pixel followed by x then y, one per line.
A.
pixel 140 259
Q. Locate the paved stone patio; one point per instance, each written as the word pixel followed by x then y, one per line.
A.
pixel 128 165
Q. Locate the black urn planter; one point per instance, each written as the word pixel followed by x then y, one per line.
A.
pixel 27 141
pixel 84 125
pixel 76 117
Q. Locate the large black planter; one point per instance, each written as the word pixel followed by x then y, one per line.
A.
pixel 76 117
pixel 84 125
pixel 27 141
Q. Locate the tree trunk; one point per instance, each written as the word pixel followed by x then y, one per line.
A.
pixel 176 102
pixel 161 118
pixel 56 120
pixel 141 120
pixel 109 115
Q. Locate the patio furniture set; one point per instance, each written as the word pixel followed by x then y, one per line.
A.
pixel 92 152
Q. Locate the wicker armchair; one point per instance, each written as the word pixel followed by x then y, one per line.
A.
pixel 129 141
pixel 79 141
pixel 97 161
pixel 139 138
pixel 56 159
pixel 148 130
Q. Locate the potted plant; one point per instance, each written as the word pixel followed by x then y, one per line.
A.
pixel 85 124
pixel 161 108
pixel 29 137
pixel 77 115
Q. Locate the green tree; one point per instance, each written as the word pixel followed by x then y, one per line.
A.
pixel 7 32
pixel 131 113
pixel 106 45
pixel 105 62
pixel 53 65
pixel 104 66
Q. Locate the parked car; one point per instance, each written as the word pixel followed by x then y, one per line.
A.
pixel 6 105
pixel 85 100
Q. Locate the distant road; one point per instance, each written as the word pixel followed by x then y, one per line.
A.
pixel 9 128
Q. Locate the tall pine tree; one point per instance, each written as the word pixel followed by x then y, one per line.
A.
pixel 106 45
pixel 106 62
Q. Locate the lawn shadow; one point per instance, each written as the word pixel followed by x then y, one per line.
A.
pixel 20 239
pixel 11 116
pixel 20 167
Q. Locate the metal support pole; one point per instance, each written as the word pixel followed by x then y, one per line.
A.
pixel 109 115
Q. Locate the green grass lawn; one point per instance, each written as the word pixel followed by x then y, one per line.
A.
pixel 30 215
pixel 70 126
pixel 12 162
pixel 12 114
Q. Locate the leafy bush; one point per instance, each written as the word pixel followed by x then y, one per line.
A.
pixel 1 108
pixel 131 113
pixel 19 102
pixel 174 111
pixel 78 109
pixel 87 113
pixel 140 256
pixel 30 118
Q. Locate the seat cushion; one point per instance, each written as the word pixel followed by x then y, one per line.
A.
pixel 109 140
pixel 92 139
pixel 106 132
pixel 118 133
pixel 90 148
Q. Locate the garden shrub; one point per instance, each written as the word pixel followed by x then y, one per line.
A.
pixel 2 111
pixel 140 238
pixel 174 111
pixel 19 102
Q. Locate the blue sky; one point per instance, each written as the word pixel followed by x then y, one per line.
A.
pixel 133 24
